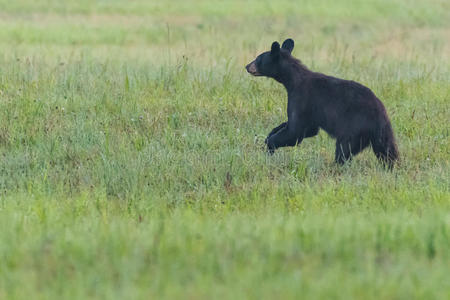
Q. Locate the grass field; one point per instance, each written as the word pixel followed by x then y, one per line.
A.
pixel 132 162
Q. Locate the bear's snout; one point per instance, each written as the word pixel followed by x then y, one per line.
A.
pixel 251 68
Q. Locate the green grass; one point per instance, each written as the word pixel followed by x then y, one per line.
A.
pixel 132 162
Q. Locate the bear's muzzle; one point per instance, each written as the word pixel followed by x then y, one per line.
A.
pixel 251 68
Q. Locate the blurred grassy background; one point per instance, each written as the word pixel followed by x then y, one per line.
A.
pixel 132 162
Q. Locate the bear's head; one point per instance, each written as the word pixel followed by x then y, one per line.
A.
pixel 272 63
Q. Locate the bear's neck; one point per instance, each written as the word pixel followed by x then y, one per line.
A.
pixel 294 74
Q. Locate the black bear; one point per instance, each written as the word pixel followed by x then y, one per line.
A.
pixel 346 110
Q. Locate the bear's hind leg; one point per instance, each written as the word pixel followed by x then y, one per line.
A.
pixel 387 155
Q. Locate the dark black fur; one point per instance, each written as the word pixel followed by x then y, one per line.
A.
pixel 346 110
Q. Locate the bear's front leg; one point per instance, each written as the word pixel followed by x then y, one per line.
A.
pixel 284 137
pixel 275 130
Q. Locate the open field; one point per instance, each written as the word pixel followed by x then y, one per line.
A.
pixel 132 162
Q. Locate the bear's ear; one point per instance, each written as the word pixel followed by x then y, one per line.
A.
pixel 288 45
pixel 275 50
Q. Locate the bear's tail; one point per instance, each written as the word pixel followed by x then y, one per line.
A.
pixel 384 145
